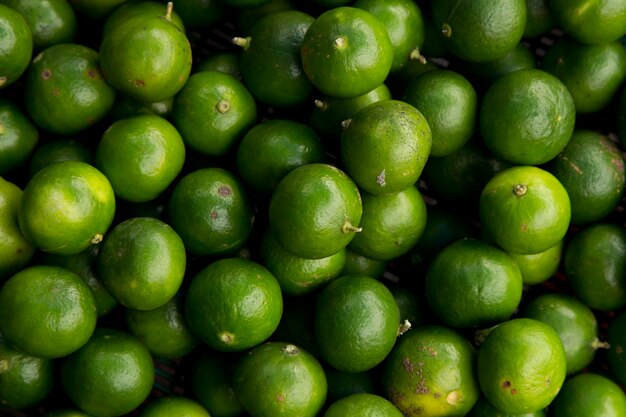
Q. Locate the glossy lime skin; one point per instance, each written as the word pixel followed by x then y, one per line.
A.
pixel 65 92
pixel 174 405
pixel 142 263
pixel 589 395
pixel 346 52
pixel 111 365
pixel 315 210
pixel 66 207
pixel 581 19
pixel 60 150
pixel 146 8
pixel 25 380
pixel 270 61
pixel 595 264
pixel 213 111
pixel 527 117
pixel 482 408
pixel 18 137
pixel 404 23
pixel 539 20
pixel 539 267
pixel 141 156
pixel 480 31
pixel 486 73
pixel 211 212
pixel 616 337
pixel 450 105
pixel 362 405
pixel 47 303
pixel 16 46
pixel 385 147
pixel 126 107
pixel 51 22
pixel 154 62
pixel 593 74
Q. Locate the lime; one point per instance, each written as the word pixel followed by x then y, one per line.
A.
pixel 18 137
pixel 392 224
pixel 589 395
pixel 270 59
pixel 346 52
pixel 272 149
pixel 579 18
pixel 480 30
pixel 315 211
pixel 59 150
pixel 521 365
pixel 483 408
pixel 485 73
pixel 111 375
pixel 96 9
pixel 617 342
pixel 24 380
pixel 210 211
pixel 365 404
pixel 174 405
pixel 342 384
pixel 525 210
pixel 431 372
pixel 233 304
pixel 155 60
pixel 593 74
pixel 356 323
pixel 213 111
pixel 16 47
pixel 591 168
pixel 473 284
pixel 574 322
pixel 537 268
pixel 46 311
pixel 200 14
pixel 164 330
pixel 226 62
pixel 145 8
pixel 595 265
pixel 527 117
pixel 385 146
pixel 64 91
pixel 15 250
pixel 450 105
pixel 399 80
pixel 412 304
pixel 125 106
pixel 539 20
pixel 280 379
pixel 362 265
pixel 141 156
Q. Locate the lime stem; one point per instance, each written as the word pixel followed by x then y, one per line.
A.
pixel 446 30
pixel 346 123
pixel 168 11
pixel 96 239
pixel 520 189
pixel 415 55
pixel 598 344
pixel 242 42
pixel 223 106
pixel 340 43
pixel 290 349
pixel 404 327
pixel 321 104
pixel 3 81
pixel 349 228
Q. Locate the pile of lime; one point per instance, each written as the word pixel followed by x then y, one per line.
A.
pixel 333 208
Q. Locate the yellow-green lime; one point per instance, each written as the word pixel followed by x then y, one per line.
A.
pixel 365 404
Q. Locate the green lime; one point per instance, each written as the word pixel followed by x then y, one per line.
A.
pixel 46 311
pixel 616 339
pixel 483 408
pixel 431 371
pixel 356 323
pixel 15 250
pixel 480 30
pixel 96 9
pixel 296 275
pixel 521 365
pixel 51 22
pixel 370 405
pixel 146 57
pixel 210 211
pixel 16 48
pixel 593 74
pixel 142 263
pixel 391 223
pixel 125 106
pixel 270 59
pixel 485 73
pixel 385 146
pixel 247 17
pixel 19 137
pixel 537 268
pixel 111 375
pixel 226 62
pixel 591 168
pixel 25 380
pixel 59 150
pixel 315 211
pixel 280 380
pixel 174 405
pixel 213 111
pixel 589 395
pixel 399 80
pixel 581 18
pixel 527 117
pixel 200 14
pixel 145 8
pixel 539 20
pixel 210 378
pixel 362 265
pixel 343 384
pixel 471 283
pixel 272 149
pixel 233 304
pixel 66 207
pixel 575 324
pixel 404 23
pixel 65 92
pixel 595 265
pixel 346 52
pixel 141 156
pixel 525 210
pixel 450 105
